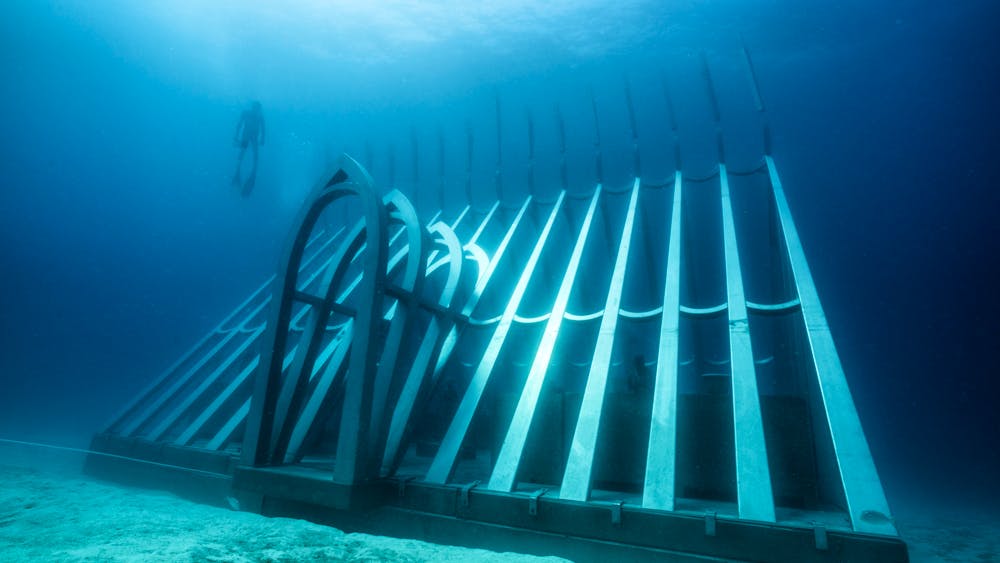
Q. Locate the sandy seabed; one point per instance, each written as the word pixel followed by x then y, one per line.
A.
pixel 52 516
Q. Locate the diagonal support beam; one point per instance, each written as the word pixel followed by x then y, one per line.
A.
pixel 416 383
pixel 258 295
pixel 444 462
pixel 484 275
pixel 661 456
pixel 195 427
pixel 320 394
pixel 178 411
pixel 753 478
pixel 295 381
pixel 509 459
pixel 579 467
pixel 866 503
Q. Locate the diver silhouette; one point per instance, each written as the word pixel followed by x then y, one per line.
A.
pixel 249 133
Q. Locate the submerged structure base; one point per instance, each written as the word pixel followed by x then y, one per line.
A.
pixel 532 522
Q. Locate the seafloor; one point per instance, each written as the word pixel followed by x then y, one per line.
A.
pixel 57 514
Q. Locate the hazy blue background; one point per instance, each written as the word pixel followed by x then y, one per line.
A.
pixel 121 241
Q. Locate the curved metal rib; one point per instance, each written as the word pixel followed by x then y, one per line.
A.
pixel 416 382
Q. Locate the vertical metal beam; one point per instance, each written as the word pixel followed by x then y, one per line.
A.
pixel 671 114
pixel 337 352
pixel 352 443
pixel 598 155
pixel 440 194
pixel 392 167
pixel 561 128
pixel 415 158
pixel 753 478
pixel 866 503
pixel 444 462
pixel 295 382
pixel 661 456
pixel 499 170
pixel 579 467
pixel 758 101
pixel 469 139
pixel 531 153
pixel 509 458
pixel 258 436
pixel 388 375
pixel 633 127
pixel 710 89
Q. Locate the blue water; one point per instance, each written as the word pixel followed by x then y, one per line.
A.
pixel 121 240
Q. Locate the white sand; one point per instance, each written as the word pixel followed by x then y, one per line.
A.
pixel 47 516
pixel 59 516
pixel 940 534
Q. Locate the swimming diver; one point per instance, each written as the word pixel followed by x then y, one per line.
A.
pixel 249 132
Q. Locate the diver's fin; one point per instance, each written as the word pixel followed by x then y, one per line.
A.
pixel 248 185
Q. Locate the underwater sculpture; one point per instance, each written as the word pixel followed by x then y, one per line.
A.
pixel 570 367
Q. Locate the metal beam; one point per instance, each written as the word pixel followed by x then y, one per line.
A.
pixel 416 382
pixel 161 399
pixel 661 456
pixel 120 417
pixel 228 430
pixel 257 440
pixel 579 467
pixel 444 462
pixel 484 276
pixel 634 130
pixel 531 153
pixel 598 155
pixel 192 430
pixel 195 427
pixel 499 169
pixel 561 129
pixel 237 418
pixel 320 392
pixel 296 379
pixel 191 397
pixel 387 375
pixel 753 478
pixel 352 444
pixel 866 503
pixel 509 459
